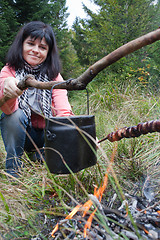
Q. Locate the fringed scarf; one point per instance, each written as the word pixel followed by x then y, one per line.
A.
pixel 43 97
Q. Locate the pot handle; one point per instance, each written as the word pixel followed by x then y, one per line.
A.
pixel 50 136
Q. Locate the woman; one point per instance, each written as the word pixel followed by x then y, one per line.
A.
pixel 33 51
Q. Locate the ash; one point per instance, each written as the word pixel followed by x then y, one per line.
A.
pixel 141 221
pixel 136 217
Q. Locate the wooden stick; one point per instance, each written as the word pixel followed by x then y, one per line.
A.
pixel 81 82
pixel 134 131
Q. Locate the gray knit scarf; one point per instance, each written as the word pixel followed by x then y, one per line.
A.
pixel 43 96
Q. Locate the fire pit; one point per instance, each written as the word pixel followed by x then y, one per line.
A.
pixel 136 218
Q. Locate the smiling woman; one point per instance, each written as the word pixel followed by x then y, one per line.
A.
pixel 33 51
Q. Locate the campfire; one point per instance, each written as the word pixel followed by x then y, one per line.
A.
pixel 128 216
pixel 136 218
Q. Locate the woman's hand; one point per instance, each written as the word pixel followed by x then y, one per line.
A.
pixel 10 88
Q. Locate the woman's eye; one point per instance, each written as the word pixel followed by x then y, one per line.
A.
pixel 44 48
pixel 30 43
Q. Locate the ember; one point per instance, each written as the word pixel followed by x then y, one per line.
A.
pixel 136 217
pixel 110 223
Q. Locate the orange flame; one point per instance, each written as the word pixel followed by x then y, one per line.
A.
pixel 54 230
pixel 86 206
pixel 88 223
pixel 98 193
pixel 74 211
pixel 146 231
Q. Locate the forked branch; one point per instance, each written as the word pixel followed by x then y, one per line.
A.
pixel 81 82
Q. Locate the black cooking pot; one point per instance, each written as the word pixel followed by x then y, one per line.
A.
pixel 67 139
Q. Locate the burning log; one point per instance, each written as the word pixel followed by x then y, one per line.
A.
pixel 134 131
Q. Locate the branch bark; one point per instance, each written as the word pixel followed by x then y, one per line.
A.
pixel 134 131
pixel 82 81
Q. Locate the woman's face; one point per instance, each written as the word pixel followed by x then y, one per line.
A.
pixel 35 50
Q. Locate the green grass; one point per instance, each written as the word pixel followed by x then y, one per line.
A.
pixel 37 195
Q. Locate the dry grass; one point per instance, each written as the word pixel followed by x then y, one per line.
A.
pixel 25 201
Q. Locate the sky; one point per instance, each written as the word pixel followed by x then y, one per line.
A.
pixel 75 9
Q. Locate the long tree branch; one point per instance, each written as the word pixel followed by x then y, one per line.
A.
pixel 81 82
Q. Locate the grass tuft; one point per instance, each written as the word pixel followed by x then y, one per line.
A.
pixel 32 204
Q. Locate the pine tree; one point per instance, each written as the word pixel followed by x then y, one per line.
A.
pixel 8 28
pixel 15 13
pixel 116 23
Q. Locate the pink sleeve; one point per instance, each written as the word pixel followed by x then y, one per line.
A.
pixel 12 104
pixel 60 103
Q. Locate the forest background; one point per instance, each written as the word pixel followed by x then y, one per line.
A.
pixel 123 94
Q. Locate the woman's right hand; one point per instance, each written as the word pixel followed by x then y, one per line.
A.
pixel 10 88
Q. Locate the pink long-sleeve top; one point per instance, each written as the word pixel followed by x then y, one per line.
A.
pixel 60 103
